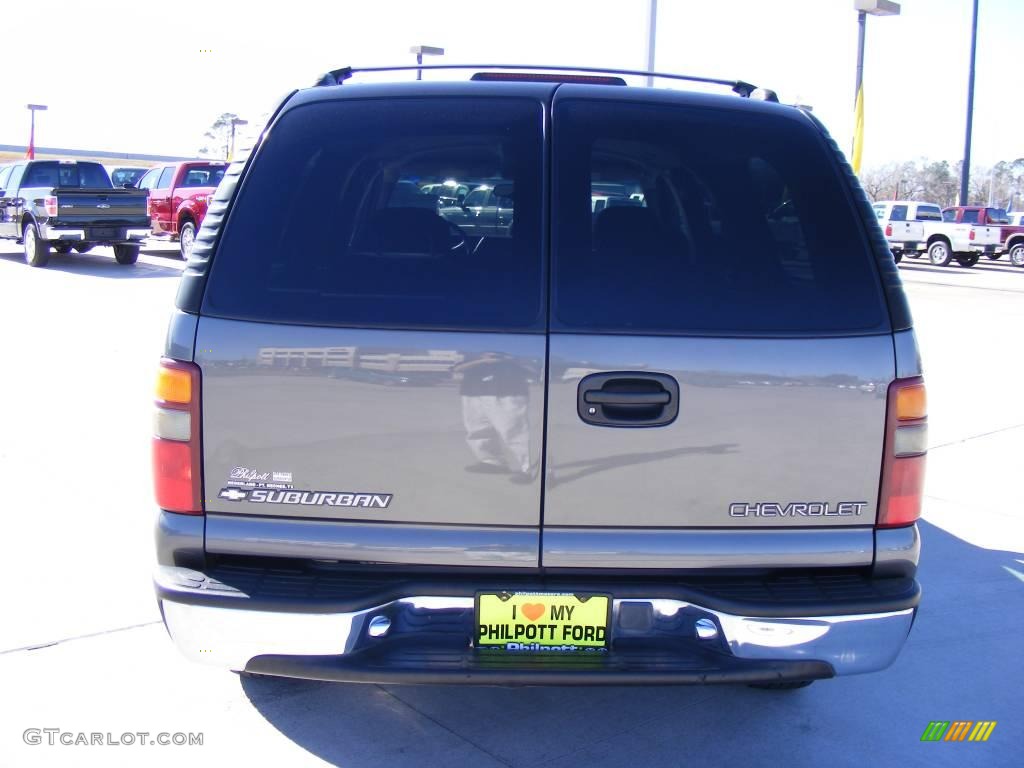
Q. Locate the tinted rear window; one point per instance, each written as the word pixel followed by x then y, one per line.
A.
pixel 56 174
pixel 678 220
pixel 203 175
pixel 931 213
pixel 122 176
pixel 340 220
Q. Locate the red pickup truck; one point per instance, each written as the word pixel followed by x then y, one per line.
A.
pixel 1011 236
pixel 178 196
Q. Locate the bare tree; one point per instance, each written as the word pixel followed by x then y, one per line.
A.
pixel 939 182
pixel 218 137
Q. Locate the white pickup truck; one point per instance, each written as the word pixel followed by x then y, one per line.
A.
pixel 913 228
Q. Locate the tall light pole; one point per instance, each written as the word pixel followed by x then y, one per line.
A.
pixel 965 169
pixel 864 8
pixel 652 38
pixel 421 51
pixel 235 121
pixel 33 108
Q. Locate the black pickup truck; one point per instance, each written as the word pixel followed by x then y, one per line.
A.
pixel 63 204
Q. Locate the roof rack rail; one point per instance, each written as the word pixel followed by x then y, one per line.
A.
pixel 744 89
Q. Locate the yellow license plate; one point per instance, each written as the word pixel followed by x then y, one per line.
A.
pixel 542 621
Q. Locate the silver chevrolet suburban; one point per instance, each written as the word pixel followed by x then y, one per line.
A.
pixel 678 437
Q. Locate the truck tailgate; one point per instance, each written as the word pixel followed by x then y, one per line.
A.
pixel 904 231
pixel 986 235
pixel 101 207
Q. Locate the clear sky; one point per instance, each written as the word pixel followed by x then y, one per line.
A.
pixel 135 75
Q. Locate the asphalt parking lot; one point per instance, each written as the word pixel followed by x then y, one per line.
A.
pixel 82 649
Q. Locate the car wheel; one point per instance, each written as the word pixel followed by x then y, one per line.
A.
pixel 187 239
pixel 993 256
pixel 897 256
pixel 126 254
pixel 37 252
pixel 939 253
pixel 968 261
pixel 83 247
pixel 62 248
pixel 1017 255
pixel 788 685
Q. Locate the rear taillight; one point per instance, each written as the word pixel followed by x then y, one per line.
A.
pixel 888 230
pixel 906 445
pixel 971 236
pixel 50 203
pixel 177 474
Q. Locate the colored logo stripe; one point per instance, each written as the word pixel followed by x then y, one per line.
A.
pixel 935 730
pixel 958 730
pixel 982 730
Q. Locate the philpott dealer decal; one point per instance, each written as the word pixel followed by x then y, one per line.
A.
pixel 275 487
pixel 245 477
pixel 308 498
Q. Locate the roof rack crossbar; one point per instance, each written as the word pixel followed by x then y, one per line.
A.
pixel 338 76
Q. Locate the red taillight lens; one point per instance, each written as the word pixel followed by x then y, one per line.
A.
pixel 903 494
pixel 50 203
pixel 172 470
pixel 906 444
pixel 177 473
pixel 888 230
pixel 971 236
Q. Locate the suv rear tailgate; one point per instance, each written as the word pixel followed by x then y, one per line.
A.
pixel 377 394
pixel 720 348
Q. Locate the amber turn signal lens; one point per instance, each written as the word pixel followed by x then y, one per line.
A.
pixel 911 402
pixel 173 385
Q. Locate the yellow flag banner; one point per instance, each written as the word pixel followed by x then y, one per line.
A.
pixel 858 131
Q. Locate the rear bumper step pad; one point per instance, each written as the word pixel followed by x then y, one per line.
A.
pixel 438 666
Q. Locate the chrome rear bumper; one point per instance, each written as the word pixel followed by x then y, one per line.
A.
pixel 747 648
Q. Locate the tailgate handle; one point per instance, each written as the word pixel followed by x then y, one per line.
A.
pixel 628 399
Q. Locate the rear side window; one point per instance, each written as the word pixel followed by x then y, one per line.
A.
pixel 166 177
pixel 340 220
pixel 16 174
pixel 149 179
pixel 969 217
pixel 678 220
pixel 932 213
